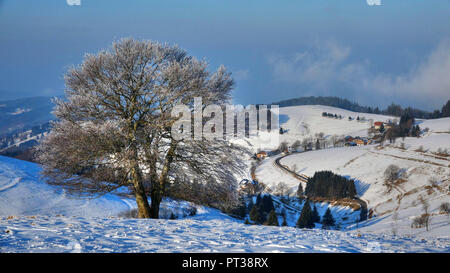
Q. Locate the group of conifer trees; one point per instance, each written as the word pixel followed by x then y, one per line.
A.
pixel 263 211
pixel 330 185
pixel 310 216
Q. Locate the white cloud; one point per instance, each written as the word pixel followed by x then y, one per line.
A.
pixel 327 67
pixel 373 2
pixel 319 66
pixel 428 81
pixel 74 2
pixel 241 74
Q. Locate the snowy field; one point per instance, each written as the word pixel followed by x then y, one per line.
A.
pixel 366 165
pixel 75 226
pixel 35 217
pixel 215 234
pixel 306 121
pixel 23 193
pixel 424 174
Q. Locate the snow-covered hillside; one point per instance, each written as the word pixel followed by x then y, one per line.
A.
pixel 424 173
pixel 307 120
pixel 304 121
pixel 22 192
pixel 22 114
pixel 39 218
pixel 35 218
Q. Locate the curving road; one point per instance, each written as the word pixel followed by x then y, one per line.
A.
pixel 304 178
pixel 301 177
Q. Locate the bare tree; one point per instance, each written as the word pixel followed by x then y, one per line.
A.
pixel 391 174
pixel 305 143
pixel 114 129
pixel 281 189
pixel 395 218
pixel 283 147
pixel 297 144
pixel 426 215
pixel 294 168
pixel 300 192
pixel 445 208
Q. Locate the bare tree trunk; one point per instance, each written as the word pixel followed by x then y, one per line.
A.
pixel 156 196
pixel 139 191
pixel 159 185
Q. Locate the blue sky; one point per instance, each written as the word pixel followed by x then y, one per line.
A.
pixel 398 51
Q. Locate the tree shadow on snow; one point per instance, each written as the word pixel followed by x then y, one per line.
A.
pixel 360 186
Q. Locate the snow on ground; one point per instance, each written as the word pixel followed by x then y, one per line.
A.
pixel 306 121
pixel 22 192
pixel 270 175
pixel 366 165
pixel 437 125
pixel 343 216
pixel 220 234
pixel 397 208
pixel 35 218
pixel 47 220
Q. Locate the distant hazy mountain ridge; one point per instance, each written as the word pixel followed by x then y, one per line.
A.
pixel 22 114
pixel 393 109
pixel 22 123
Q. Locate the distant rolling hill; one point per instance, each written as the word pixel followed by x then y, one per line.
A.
pixel 22 123
pixel 17 115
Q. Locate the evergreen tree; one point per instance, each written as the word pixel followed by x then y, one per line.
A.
pixel 272 219
pixel 406 123
pixel 328 184
pixel 267 204
pixel 258 199
pixel 445 112
pixel 250 204
pixel 283 214
pixel 240 210
pixel 264 204
pixel 327 219
pixel 415 131
pixel 305 220
pixel 436 114
pixel 315 215
pixel 300 191
pixel 317 145
pixel 247 222
pixel 363 214
pixel 255 216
